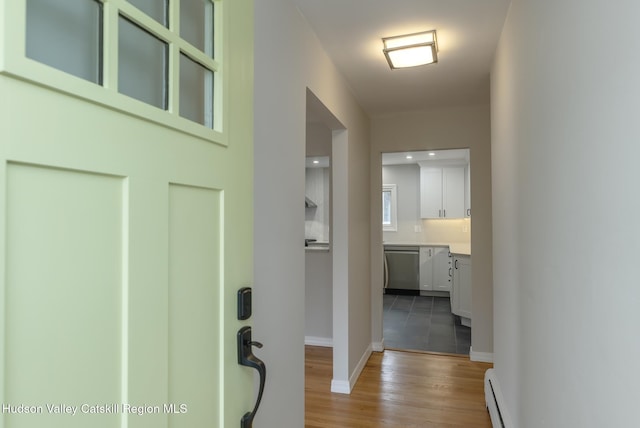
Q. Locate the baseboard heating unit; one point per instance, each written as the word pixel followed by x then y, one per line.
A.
pixel 495 401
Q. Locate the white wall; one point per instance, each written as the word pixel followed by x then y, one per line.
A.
pixel 288 60
pixel 447 128
pixel 565 93
pixel 407 181
pixel 318 298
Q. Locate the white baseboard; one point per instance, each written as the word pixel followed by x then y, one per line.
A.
pixel 378 346
pixel 360 366
pixel 340 386
pixel 345 387
pixel 326 342
pixel 482 357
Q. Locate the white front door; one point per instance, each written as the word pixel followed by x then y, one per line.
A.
pixel 126 206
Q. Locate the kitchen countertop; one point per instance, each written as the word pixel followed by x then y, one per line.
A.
pixel 461 248
pixel 314 247
pixel 318 249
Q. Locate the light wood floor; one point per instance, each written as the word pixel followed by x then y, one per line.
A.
pixel 397 389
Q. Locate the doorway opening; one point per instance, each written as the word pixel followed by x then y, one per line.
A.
pixel 426 227
pixel 326 263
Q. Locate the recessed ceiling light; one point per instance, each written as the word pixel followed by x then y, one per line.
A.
pixel 411 50
pixel 409 157
pixel 432 154
pixel 316 161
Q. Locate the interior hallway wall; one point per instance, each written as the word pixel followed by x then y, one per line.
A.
pixel 446 128
pixel 288 60
pixel 565 93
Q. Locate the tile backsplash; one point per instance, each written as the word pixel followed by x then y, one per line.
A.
pixel 451 230
pixel 432 230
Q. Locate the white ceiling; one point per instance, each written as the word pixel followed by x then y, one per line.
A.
pixel 351 32
pixel 435 157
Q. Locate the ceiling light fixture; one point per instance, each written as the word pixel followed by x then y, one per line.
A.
pixel 411 50
pixel 431 154
pixel 409 157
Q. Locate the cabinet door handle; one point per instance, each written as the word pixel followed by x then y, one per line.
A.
pixel 468 212
pixel 246 358
pixel 439 213
pixel 444 213
pixel 450 272
pixel 456 264
pixel 386 272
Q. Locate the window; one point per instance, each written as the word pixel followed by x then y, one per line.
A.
pixel 67 35
pixel 142 65
pixel 389 208
pixel 157 59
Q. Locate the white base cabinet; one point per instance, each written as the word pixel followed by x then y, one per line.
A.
pixel 426 268
pixel 435 269
pixel 442 270
pixel 461 288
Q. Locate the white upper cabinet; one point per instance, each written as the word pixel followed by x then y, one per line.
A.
pixel 431 192
pixel 442 192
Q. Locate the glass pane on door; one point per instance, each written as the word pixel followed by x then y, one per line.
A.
pixel 196 24
pixel 67 35
pixel 157 9
pixel 142 65
pixel 196 92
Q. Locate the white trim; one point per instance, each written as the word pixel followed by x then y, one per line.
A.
pixel 326 342
pixel 465 321
pixel 393 214
pixel 361 364
pixel 344 387
pixel 378 346
pixel 482 357
pixel 340 386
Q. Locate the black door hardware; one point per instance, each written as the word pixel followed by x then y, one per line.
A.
pixel 246 358
pixel 244 303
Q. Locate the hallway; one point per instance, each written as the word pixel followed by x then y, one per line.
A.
pixel 397 389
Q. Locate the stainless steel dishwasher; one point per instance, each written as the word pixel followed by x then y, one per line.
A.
pixel 402 268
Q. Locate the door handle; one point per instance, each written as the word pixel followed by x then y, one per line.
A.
pixel 246 358
pixel 386 272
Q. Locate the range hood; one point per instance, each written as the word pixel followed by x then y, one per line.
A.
pixel 308 203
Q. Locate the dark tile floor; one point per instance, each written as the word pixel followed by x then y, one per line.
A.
pixel 425 324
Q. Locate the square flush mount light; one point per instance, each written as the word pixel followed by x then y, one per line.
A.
pixel 411 50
